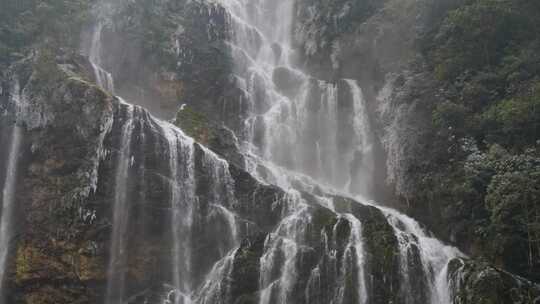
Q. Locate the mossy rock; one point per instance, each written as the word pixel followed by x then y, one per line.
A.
pixel 245 275
pixel 194 124
pixel 479 283
pixel 57 273
pixel 321 219
pixel 382 252
pixel 52 294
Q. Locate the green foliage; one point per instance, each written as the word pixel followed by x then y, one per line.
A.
pixel 46 72
pixel 450 119
pixel 486 52
pixel 486 55
pixel 195 124
pixel 150 23
pixel 483 171
pixel 514 121
pixel 54 23
pixel 513 201
pixel 478 35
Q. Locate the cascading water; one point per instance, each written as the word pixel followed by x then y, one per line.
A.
pixel 363 160
pixel 285 240
pixel 295 121
pixel 214 290
pixel 340 275
pixel 319 129
pixel 117 258
pixel 434 257
pixel 355 247
pixel 187 228
pixel 103 78
pixel 8 202
pixel 7 208
pixel 184 202
pixel 182 198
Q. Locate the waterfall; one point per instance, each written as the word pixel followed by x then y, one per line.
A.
pixel 318 132
pixel 117 258
pixel 284 241
pixel 294 120
pixel 340 276
pixel 8 201
pixel 355 247
pixel 184 201
pixel 181 202
pixel 215 290
pixel 362 172
pixel 10 184
pixel 434 257
pixel 303 131
pixel 104 79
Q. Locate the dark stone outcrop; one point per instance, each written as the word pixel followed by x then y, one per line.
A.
pixel 477 282
pixel 61 251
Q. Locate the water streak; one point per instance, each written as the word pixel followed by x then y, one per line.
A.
pixel 363 151
pixel 281 251
pixel 434 256
pixel 8 202
pixel 356 247
pixel 117 259
pixel 104 79
pixel 215 289
pixel 182 199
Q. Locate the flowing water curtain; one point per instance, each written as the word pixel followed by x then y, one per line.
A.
pixel 182 201
pixel 117 257
pixel 281 114
pixel 9 187
pixel 427 282
pixel 308 115
pixel 278 272
pixel 288 109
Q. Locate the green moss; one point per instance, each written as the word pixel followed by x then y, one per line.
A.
pixel 195 124
pixel 46 71
pixel 477 282
pixel 54 23
pixel 342 204
pixel 382 241
pixel 247 299
pixel 323 218
pixel 515 121
pixel 245 275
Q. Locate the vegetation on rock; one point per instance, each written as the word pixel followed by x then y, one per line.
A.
pixel 483 169
pixel 54 23
pixel 195 124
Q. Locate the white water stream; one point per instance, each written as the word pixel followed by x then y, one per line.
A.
pixel 184 203
pixel 8 201
pixel 296 129
pixel 296 123
pixel 117 258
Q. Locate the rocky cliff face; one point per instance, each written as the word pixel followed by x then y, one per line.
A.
pixel 446 115
pixel 63 121
pixel 68 188
pixel 114 205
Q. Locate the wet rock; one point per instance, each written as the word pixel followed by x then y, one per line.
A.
pixel 287 81
pixel 477 282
